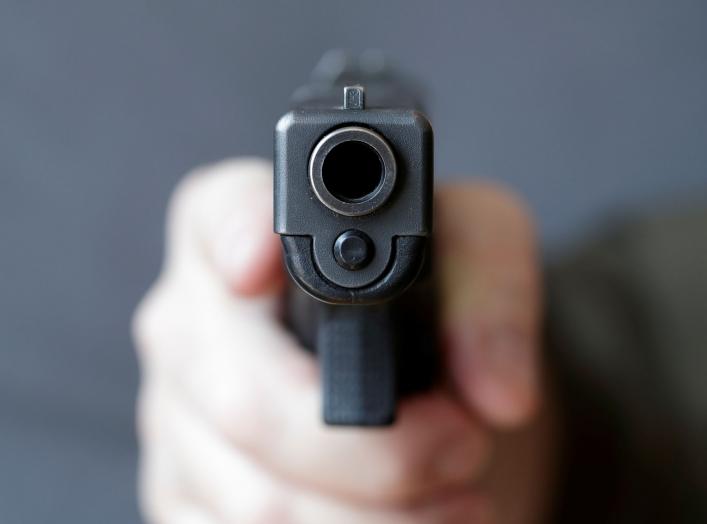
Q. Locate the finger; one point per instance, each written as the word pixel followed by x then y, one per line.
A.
pixel 244 374
pixel 490 292
pixel 237 489
pixel 189 513
pixel 161 490
pixel 221 217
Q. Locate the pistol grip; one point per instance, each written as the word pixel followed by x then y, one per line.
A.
pixel 356 347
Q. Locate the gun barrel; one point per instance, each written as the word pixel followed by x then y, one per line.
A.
pixel 353 205
pixel 352 171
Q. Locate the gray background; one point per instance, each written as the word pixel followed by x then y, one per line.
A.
pixel 587 108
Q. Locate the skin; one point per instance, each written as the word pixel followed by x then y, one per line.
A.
pixel 228 410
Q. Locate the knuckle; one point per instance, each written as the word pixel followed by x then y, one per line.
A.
pixel 186 191
pixel 152 496
pixel 211 182
pixel 189 199
pixel 273 508
pixel 399 479
pixel 266 501
pixel 238 411
pixel 155 510
pixel 152 320
pixel 152 511
pixel 147 419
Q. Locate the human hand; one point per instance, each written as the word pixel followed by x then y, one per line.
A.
pixel 229 407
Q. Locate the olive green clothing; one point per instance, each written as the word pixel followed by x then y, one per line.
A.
pixel 627 338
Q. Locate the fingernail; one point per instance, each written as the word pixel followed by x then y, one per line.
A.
pixel 237 249
pixel 505 376
pixel 495 371
pixel 463 342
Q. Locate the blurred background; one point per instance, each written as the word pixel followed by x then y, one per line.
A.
pixel 591 110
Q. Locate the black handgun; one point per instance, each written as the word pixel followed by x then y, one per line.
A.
pixel 353 205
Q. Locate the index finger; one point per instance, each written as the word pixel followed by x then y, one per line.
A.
pixel 488 269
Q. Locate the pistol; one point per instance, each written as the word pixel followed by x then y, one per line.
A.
pixel 353 187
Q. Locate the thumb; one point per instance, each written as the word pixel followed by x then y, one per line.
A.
pixel 490 300
pixel 223 214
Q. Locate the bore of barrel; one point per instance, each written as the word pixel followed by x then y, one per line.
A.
pixel 352 171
